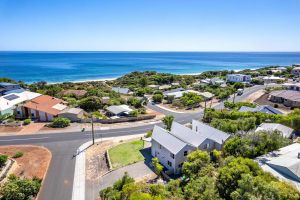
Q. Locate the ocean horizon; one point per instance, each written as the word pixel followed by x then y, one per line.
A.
pixel 76 66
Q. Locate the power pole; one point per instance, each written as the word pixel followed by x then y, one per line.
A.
pixel 233 97
pixel 93 132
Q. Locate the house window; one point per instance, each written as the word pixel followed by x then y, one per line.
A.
pixel 206 146
pixel 185 153
pixel 159 146
pixel 169 163
pixel 32 114
pixel 172 155
pixel 18 112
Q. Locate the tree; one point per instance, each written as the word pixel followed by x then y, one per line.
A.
pixel 168 120
pixel 201 188
pixel 170 98
pixel 90 103
pixel 20 189
pixel 60 122
pixel 157 166
pixel 191 99
pixel 157 98
pixel 252 145
pixel 195 162
pixel 231 173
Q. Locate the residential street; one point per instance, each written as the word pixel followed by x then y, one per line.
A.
pixel 58 183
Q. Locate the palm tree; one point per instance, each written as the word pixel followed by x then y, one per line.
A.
pixel 168 120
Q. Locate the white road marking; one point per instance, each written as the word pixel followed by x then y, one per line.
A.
pixel 25 139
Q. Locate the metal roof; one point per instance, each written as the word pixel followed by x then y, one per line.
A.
pixel 187 135
pixel 118 109
pixel 120 90
pixel 283 163
pixel 265 109
pixel 286 131
pixel 209 132
pixel 167 140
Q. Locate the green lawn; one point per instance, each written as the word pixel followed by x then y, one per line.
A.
pixel 125 154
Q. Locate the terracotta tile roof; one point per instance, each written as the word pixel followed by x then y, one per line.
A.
pixel 45 104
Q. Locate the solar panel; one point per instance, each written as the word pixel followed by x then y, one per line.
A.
pixel 11 97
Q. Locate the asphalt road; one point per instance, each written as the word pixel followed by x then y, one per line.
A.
pixel 58 183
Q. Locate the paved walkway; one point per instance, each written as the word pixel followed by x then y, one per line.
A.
pixel 136 171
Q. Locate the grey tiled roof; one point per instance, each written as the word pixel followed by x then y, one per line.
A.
pixel 164 138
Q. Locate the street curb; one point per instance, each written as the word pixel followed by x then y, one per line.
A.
pixel 78 192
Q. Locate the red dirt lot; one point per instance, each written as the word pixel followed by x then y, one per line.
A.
pixel 34 162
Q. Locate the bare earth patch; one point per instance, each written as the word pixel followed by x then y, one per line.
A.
pixel 33 163
pixel 176 109
pixel 252 97
pixel 96 165
pixel 10 129
pixel 263 100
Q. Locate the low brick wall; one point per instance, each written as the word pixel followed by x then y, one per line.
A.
pixel 125 119
pixel 108 160
pixel 6 169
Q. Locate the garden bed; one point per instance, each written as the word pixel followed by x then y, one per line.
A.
pixel 33 163
pixel 126 153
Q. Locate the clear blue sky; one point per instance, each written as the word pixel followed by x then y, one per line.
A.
pixel 150 25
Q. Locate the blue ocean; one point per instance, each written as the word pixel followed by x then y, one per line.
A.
pixel 80 66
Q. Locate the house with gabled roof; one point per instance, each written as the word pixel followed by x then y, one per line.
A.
pixel 170 150
pixel 284 130
pixel 283 163
pixel 9 103
pixel 264 109
pixel 172 147
pixel 43 108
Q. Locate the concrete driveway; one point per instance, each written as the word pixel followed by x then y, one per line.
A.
pixel 137 171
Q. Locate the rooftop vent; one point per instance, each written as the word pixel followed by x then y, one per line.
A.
pixel 299 155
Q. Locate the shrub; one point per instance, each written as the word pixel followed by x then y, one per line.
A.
pixel 157 98
pixel 16 188
pixel 3 159
pixel 148 134
pixel 18 154
pixel 99 115
pixel 133 113
pixel 26 121
pixel 158 168
pixel 60 122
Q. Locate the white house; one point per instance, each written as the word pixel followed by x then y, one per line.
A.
pixel 296 70
pixel 6 87
pixel 9 102
pixel 172 147
pixel 238 78
pixel 121 90
pixel 286 131
pixel 170 150
pixel 272 79
pixel 116 111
